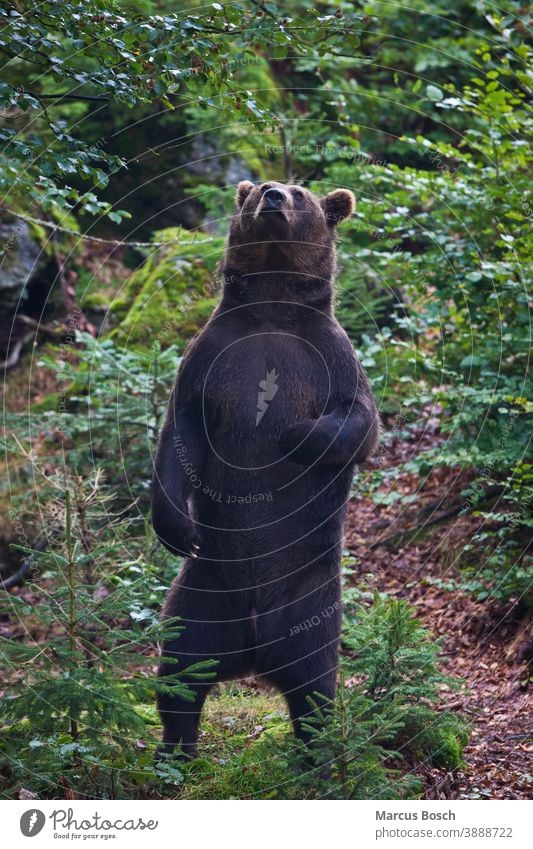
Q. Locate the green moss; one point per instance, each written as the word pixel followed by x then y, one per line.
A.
pixel 46 404
pixel 171 296
pixel 240 727
pixel 441 740
pixel 449 751
pixel 95 301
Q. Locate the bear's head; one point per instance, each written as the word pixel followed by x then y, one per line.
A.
pixel 284 230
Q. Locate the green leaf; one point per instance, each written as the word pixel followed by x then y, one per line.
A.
pixel 434 93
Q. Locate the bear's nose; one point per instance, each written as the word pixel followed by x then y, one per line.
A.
pixel 273 198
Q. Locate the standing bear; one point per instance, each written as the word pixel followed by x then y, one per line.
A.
pixel 270 413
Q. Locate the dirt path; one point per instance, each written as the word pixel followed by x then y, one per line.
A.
pixel 486 645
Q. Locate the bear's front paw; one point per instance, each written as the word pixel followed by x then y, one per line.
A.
pixel 297 442
pixel 189 538
pixel 180 535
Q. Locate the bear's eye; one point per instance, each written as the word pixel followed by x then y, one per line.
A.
pixel 265 187
pixel 298 194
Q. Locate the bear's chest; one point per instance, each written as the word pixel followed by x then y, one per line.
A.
pixel 263 381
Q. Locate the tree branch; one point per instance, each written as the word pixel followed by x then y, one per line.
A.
pixel 492 492
pixel 87 97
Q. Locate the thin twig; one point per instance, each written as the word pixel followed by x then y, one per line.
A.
pixel 19 577
pixel 492 492
pixel 69 97
pixel 50 225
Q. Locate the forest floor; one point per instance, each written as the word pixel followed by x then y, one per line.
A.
pixel 485 644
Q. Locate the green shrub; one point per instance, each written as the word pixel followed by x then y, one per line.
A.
pixel 459 342
pixel 384 716
pixel 170 297
pixel 74 720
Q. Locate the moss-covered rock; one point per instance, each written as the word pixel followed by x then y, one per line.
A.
pixel 171 296
pixel 437 738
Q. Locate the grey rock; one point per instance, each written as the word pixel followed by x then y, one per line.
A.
pixel 21 260
pixel 238 170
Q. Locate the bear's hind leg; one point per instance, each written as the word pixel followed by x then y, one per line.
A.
pixel 180 718
pixel 212 630
pixel 299 645
pixel 303 668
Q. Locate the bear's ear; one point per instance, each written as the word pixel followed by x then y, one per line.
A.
pixel 338 205
pixel 243 190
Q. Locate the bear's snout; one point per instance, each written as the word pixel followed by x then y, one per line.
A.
pixel 273 198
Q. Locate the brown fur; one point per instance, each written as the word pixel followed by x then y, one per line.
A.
pixel 265 564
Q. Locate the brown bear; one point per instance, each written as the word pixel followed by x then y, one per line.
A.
pixel 269 416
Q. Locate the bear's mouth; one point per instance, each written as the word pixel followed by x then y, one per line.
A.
pixel 266 213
